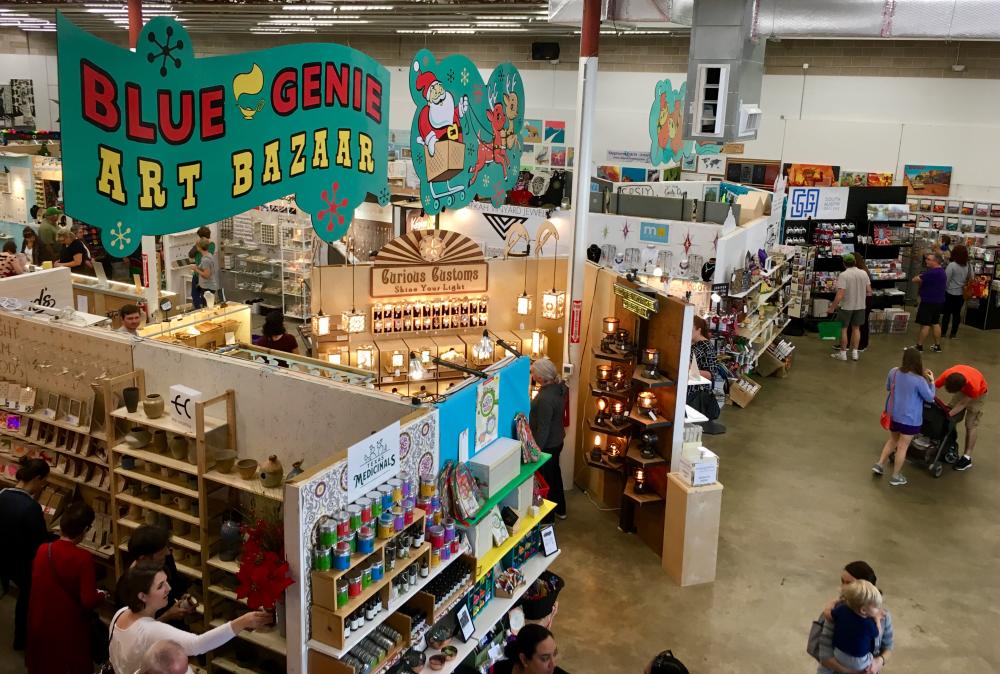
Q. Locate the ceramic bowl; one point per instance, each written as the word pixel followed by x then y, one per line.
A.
pixel 449 652
pixel 225 459
pixel 436 662
pixel 247 468
pixel 138 438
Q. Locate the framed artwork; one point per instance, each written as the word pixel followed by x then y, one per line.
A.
pixel 933 181
pixel 689 163
pixel 612 173
pixel 672 173
pixel 811 175
pixel 558 156
pixel 633 174
pixel 712 164
pixel 532 131
pixel 555 131
pixel 51 408
pixel 954 207
pixel 940 206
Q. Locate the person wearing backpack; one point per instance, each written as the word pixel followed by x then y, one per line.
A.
pixel 665 663
pixel 820 643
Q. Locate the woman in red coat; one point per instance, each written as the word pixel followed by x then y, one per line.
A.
pixel 63 594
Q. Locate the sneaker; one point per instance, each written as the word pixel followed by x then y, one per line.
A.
pixel 897 480
pixel 854 354
pixel 878 469
pixel 936 348
pixel 562 517
pixel 952 336
pixel 965 463
pixel 839 355
pixel 918 347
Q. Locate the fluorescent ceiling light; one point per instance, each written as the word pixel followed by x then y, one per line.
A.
pixel 501 17
pixel 501 30
pixel 39 30
pixel 346 21
pixel 449 25
pixel 455 31
pixel 497 24
pixel 414 31
pixel 371 8
pixel 309 8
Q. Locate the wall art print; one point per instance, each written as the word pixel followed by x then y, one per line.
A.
pixel 666 126
pixel 487 412
pixel 532 131
pixel 811 175
pixel 932 181
pixel 164 141
pixel 466 133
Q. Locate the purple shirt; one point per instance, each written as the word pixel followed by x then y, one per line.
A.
pixel 932 285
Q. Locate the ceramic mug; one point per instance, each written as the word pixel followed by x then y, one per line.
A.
pixel 184 503
pixel 151 517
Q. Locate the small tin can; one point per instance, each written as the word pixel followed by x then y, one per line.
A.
pixel 354 515
pixel 435 558
pixel 455 545
pixel 449 530
pixel 385 526
pixel 408 511
pixel 343 522
pixel 341 557
pixel 342 594
pixel 397 489
pixel 354 585
pixel 428 486
pixel 366 508
pixel 386 491
pixel 376 499
pixel 435 533
pixel 445 553
pixel 366 541
pixel 378 571
pixel 366 578
pixel 398 519
pixel 328 533
pixel 321 558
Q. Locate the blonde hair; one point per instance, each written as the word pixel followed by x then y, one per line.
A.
pixel 203 245
pixel 65 233
pixel 546 370
pixel 861 594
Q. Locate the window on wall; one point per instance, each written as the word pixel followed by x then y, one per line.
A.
pixel 710 100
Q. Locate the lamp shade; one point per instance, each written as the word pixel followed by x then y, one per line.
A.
pixel 538 343
pixel 647 400
pixel 554 304
pixel 396 360
pixel 604 372
pixel 352 321
pixel 333 358
pixel 322 324
pixel 524 304
pixel 366 355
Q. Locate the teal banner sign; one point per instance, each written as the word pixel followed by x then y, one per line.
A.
pixel 157 141
pixel 666 128
pixel 465 137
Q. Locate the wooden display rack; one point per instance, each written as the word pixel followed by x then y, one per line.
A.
pixel 210 494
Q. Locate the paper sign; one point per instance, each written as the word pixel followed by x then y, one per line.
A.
pixel 497 527
pixel 576 316
pixel 549 545
pixel 818 203
pixel 463 446
pixel 372 461
pixel 487 412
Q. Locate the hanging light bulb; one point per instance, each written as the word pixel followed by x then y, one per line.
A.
pixel 524 304
pixel 537 343
pixel 483 349
pixel 416 367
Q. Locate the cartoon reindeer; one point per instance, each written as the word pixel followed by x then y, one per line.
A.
pixel 510 104
pixel 495 149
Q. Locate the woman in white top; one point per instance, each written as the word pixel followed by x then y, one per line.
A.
pixel 134 629
pixel 957 273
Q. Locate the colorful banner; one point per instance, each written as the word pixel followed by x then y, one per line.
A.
pixel 160 141
pixel 466 135
pixel 666 126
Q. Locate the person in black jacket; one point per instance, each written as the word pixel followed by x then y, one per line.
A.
pixel 151 543
pixel 546 421
pixel 22 530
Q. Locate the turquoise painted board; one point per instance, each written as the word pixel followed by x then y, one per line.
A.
pixel 466 134
pixel 666 128
pixel 160 141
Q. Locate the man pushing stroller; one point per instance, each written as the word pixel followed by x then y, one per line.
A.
pixel 968 388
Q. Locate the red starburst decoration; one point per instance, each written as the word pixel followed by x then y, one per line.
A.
pixel 687 242
pixel 334 206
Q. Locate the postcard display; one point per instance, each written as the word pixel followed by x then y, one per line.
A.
pixel 825 235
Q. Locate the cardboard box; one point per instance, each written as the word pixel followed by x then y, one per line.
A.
pixel 480 535
pixel 447 162
pixel 521 498
pixel 743 391
pixel 699 467
pixel 497 464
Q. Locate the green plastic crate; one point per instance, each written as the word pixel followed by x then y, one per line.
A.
pixel 830 330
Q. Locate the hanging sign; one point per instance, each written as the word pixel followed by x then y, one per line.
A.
pixel 466 134
pixel 372 461
pixel 429 262
pixel 638 303
pixel 818 203
pixel 160 141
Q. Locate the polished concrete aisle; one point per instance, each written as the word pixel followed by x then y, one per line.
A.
pixel 799 503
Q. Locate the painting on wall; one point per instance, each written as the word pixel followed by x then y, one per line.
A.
pixel 934 181
pixel 811 175
pixel 633 174
pixel 652 175
pixel 689 163
pixel 17 104
pixel 570 156
pixel 672 173
pixel 532 131
pixel 542 154
pixel 866 179
pixel 555 131
pixel 713 165
pixel 558 156
pixel 612 173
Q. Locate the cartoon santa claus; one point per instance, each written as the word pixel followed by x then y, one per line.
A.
pixel 440 118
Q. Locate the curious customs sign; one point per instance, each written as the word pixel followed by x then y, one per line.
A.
pixel 160 141
pixel 429 262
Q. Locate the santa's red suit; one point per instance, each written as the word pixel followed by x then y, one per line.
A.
pixel 425 127
pixel 446 123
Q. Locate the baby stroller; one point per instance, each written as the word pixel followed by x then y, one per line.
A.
pixel 938 439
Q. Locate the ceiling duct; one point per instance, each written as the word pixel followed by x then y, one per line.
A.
pixel 907 19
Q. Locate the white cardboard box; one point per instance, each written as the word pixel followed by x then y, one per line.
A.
pixel 521 499
pixel 480 535
pixel 497 465
pixel 700 467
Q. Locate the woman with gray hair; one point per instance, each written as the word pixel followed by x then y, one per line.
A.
pixel 165 657
pixel 73 254
pixel 546 420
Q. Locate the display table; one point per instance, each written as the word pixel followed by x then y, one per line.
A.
pixel 204 328
pixel 691 531
pixel 90 295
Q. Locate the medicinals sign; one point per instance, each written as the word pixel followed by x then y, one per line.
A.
pixel 372 461
pixel 429 262
pixel 160 141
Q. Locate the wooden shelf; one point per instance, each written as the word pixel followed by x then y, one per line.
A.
pixel 527 471
pixel 160 508
pixel 634 455
pixel 157 480
pixel 83 430
pixel 649 382
pixel 230 666
pixel 601 465
pixel 226 592
pixel 232 567
pixel 598 392
pixel 253 486
pixel 29 441
pixel 187 570
pixel 613 430
pixel 615 356
pixel 272 640
pixel 166 422
pixel 640 418
pixel 649 497
pixel 158 459
pixel 194 546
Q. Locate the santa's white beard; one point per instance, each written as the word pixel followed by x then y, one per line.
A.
pixel 442 113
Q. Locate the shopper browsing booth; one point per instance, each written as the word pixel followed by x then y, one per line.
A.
pixel 968 388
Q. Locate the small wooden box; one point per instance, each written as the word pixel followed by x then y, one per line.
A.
pixel 447 161
pixel 497 464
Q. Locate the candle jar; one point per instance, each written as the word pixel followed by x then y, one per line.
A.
pixel 618 413
pixel 449 530
pixel 378 571
pixel 397 490
pixel 328 534
pixel 647 400
pixel 615 450
pixel 351 539
pixel 342 593
pixel 354 585
pixel 640 481
pixel 354 515
pixel 595 453
pixel 622 337
pixel 611 324
pixel 366 541
pixel 385 526
pixel 341 558
pixel 436 535
pixel 445 553
pixel 619 379
pixel 428 486
pixel 398 519
pixel 376 501
pixel 366 509
pixel 651 358
pixel 407 512
pixel 321 559
pixel 604 376
pixel 366 578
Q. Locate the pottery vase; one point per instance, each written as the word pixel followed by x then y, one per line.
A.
pixel 153 406
pixel 160 442
pixel 131 396
pixel 294 472
pixel 230 540
pixel 247 468
pixel 138 437
pixel 179 447
pixel 272 472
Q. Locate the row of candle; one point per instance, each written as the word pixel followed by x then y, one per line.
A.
pixel 402 310
pixel 384 326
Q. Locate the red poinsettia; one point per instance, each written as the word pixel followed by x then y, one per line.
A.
pixel 263 574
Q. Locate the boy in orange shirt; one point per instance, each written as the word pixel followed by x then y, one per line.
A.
pixel 969 389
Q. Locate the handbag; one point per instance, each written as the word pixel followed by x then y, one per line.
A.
pixel 815 634
pixel 530 451
pixel 98 634
pixel 886 419
pixel 705 402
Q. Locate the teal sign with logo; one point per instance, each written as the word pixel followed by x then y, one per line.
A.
pixel 157 141
pixel 654 232
pixel 466 134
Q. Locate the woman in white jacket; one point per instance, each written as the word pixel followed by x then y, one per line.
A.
pixel 134 629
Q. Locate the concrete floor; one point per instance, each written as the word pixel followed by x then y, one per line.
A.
pixel 798 504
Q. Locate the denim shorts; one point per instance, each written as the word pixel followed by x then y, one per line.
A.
pixel 904 429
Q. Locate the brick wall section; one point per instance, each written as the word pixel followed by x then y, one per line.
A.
pixel 884 58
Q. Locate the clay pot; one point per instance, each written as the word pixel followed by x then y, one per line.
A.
pixel 160 442
pixel 225 459
pixel 294 472
pixel 131 396
pixel 230 538
pixel 153 406
pixel 179 447
pixel 138 437
pixel 247 468
pixel 272 473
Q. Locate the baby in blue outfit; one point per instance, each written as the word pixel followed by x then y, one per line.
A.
pixel 856 624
